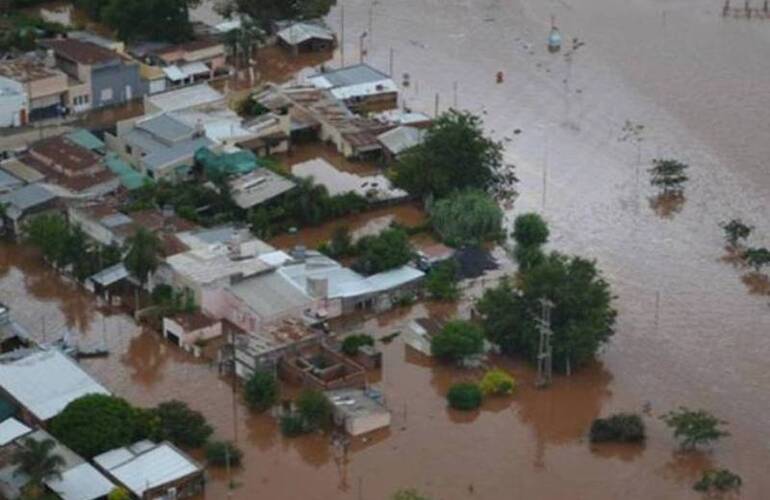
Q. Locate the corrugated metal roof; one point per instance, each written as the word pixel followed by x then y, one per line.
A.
pixel 85 139
pixel 149 468
pixel 21 170
pixel 393 279
pixel 9 182
pixel 271 295
pixel 302 31
pixel 351 75
pixel 174 74
pixel 46 381
pixel 129 178
pixel 27 197
pixel 166 127
pixel 11 429
pixel 400 139
pixel 111 275
pixel 82 482
pixel 186 97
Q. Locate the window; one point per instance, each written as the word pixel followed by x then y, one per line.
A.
pixel 106 94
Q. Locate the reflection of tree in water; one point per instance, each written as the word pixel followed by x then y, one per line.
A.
pixel 687 467
pixel 564 411
pixel 145 357
pixel 627 452
pixel 315 449
pixel 666 205
pixel 756 283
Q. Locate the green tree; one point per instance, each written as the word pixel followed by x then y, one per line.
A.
pixel 170 19
pixel 757 257
pixel 530 232
pixel 718 481
pixel 668 175
pixel 582 318
pixel 619 428
pixel 694 427
pixel 78 252
pixel 441 282
pixel 388 250
pixel 119 493
pixel 266 12
pixel 315 409
pixel 36 459
pixel 182 425
pixel 261 391
pixel 353 343
pixel 341 243
pixel 50 234
pixel 467 218
pixel 221 452
pixel 457 341
pixel 96 423
pixel 141 258
pixel 409 494
pixel 455 155
pixel 497 382
pixel 735 231
pixel 464 396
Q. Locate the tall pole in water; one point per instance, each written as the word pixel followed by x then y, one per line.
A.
pixel 545 350
pixel 342 36
pixel 390 63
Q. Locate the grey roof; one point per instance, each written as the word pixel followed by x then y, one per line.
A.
pixel 300 32
pixel 179 151
pixel 185 97
pixel 8 181
pixel 11 429
pixel 111 275
pixel 258 186
pixel 146 465
pixel 116 220
pixel 271 294
pixel 166 128
pixel 400 139
pixel 27 197
pixel 342 282
pixel 82 482
pixel 45 382
pixel 352 75
pixel 21 170
pixel 393 279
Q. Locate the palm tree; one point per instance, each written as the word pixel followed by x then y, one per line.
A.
pixel 35 459
pixel 142 257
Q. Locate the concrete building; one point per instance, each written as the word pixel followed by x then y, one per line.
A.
pixel 77 480
pixel 191 61
pixel 193 97
pixel 13 104
pixel 153 471
pixel 67 164
pixel 106 77
pixel 317 114
pixel 24 202
pixel 258 187
pixel 318 367
pixel 191 331
pixel 46 88
pixel 361 88
pixel 42 383
pixel 359 411
pixel 264 348
pixel 160 146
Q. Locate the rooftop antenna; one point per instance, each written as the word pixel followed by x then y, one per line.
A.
pixel 545 350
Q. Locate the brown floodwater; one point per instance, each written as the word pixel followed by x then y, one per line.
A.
pixel 533 442
pixel 363 224
pixel 309 151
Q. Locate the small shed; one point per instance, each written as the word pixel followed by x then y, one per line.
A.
pixel 306 36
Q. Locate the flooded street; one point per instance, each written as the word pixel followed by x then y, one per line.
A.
pixel 692 329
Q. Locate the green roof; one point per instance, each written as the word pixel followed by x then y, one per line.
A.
pixel 129 178
pixel 85 139
pixel 238 163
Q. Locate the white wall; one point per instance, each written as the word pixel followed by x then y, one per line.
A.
pixel 12 104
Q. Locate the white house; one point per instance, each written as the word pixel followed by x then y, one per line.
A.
pixel 13 103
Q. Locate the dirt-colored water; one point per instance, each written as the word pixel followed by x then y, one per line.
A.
pixel 363 224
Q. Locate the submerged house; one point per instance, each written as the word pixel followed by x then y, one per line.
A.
pixel 362 88
pixel 305 36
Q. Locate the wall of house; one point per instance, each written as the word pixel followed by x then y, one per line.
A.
pixel 92 228
pixel 189 338
pixel 373 103
pixel 116 84
pixel 13 106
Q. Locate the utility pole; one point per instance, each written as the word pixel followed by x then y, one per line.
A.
pixel 454 91
pixel 342 36
pixel 545 350
pixel 361 45
pixel 371 20
pixel 390 63
pixel 435 109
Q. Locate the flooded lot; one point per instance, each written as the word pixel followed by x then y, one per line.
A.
pixel 689 331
